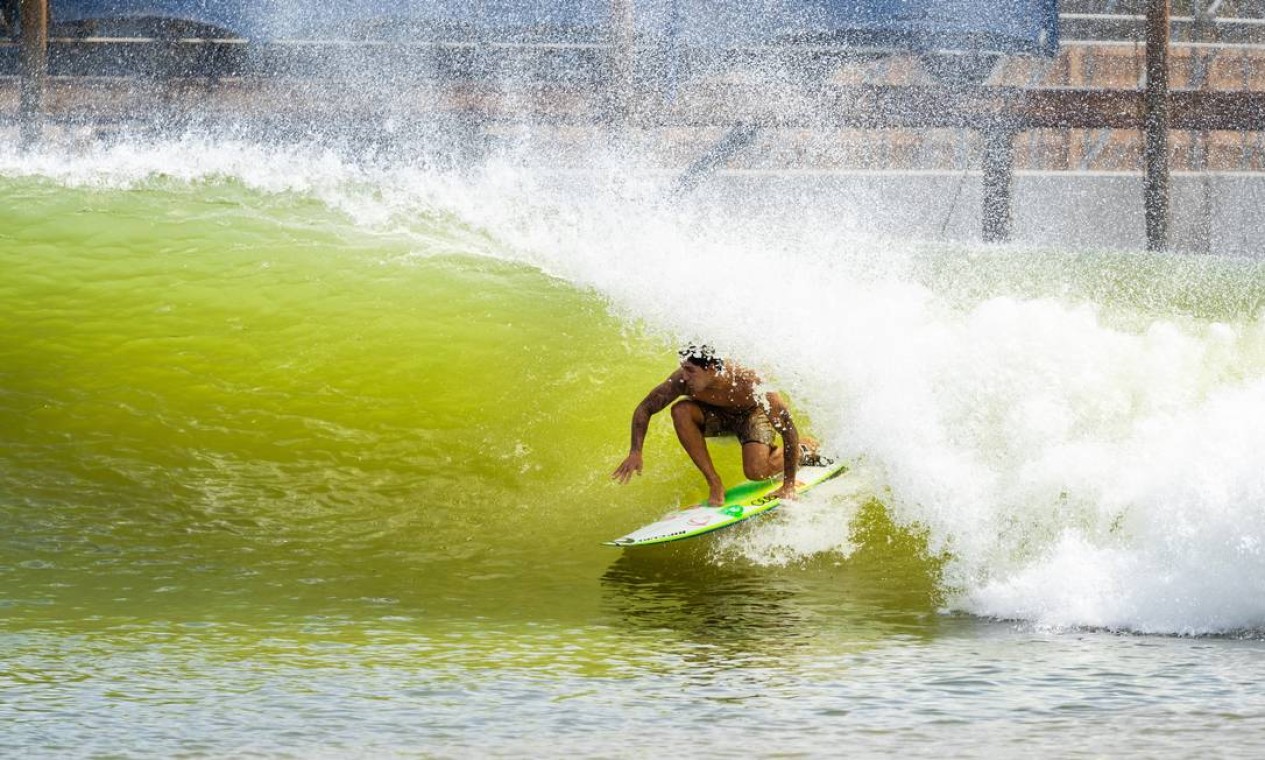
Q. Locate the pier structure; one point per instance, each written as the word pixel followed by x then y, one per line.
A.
pixel 1132 86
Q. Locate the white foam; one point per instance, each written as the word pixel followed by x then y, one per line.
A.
pixel 1170 539
pixel 1079 473
pixel 819 523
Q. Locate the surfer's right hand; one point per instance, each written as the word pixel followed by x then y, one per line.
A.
pixel 627 468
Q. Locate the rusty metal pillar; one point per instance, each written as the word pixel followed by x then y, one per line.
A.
pixel 999 170
pixel 1155 190
pixel 34 67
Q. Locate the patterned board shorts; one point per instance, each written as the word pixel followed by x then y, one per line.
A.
pixel 750 426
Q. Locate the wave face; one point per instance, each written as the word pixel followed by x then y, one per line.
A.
pixel 252 372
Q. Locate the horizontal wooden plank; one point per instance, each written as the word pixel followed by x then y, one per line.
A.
pixel 877 106
pixel 704 105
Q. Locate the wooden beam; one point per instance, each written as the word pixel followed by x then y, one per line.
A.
pixel 1156 126
pixel 882 106
pixel 709 105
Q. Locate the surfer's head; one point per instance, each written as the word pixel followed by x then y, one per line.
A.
pixel 701 355
pixel 701 365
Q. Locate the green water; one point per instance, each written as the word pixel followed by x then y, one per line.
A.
pixel 272 483
pixel 269 412
pixel 220 407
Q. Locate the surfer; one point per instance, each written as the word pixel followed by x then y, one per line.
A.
pixel 721 398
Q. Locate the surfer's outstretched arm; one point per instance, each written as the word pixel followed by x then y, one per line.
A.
pixel 656 401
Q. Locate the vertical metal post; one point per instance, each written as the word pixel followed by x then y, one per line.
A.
pixel 1205 31
pixel 623 59
pixel 999 165
pixel 1155 136
pixel 34 66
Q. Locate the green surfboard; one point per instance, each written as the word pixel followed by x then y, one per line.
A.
pixel 742 502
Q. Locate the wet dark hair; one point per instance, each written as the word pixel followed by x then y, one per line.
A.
pixel 701 355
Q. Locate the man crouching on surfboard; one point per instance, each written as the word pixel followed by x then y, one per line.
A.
pixel 720 399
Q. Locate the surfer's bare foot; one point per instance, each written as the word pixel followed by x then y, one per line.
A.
pixel 717 496
pixel 787 491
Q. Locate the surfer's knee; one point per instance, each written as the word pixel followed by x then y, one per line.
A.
pixel 687 411
pixel 759 462
pixel 759 471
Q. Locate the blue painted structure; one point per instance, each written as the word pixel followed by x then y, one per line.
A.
pixel 1029 26
pixel 229 16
